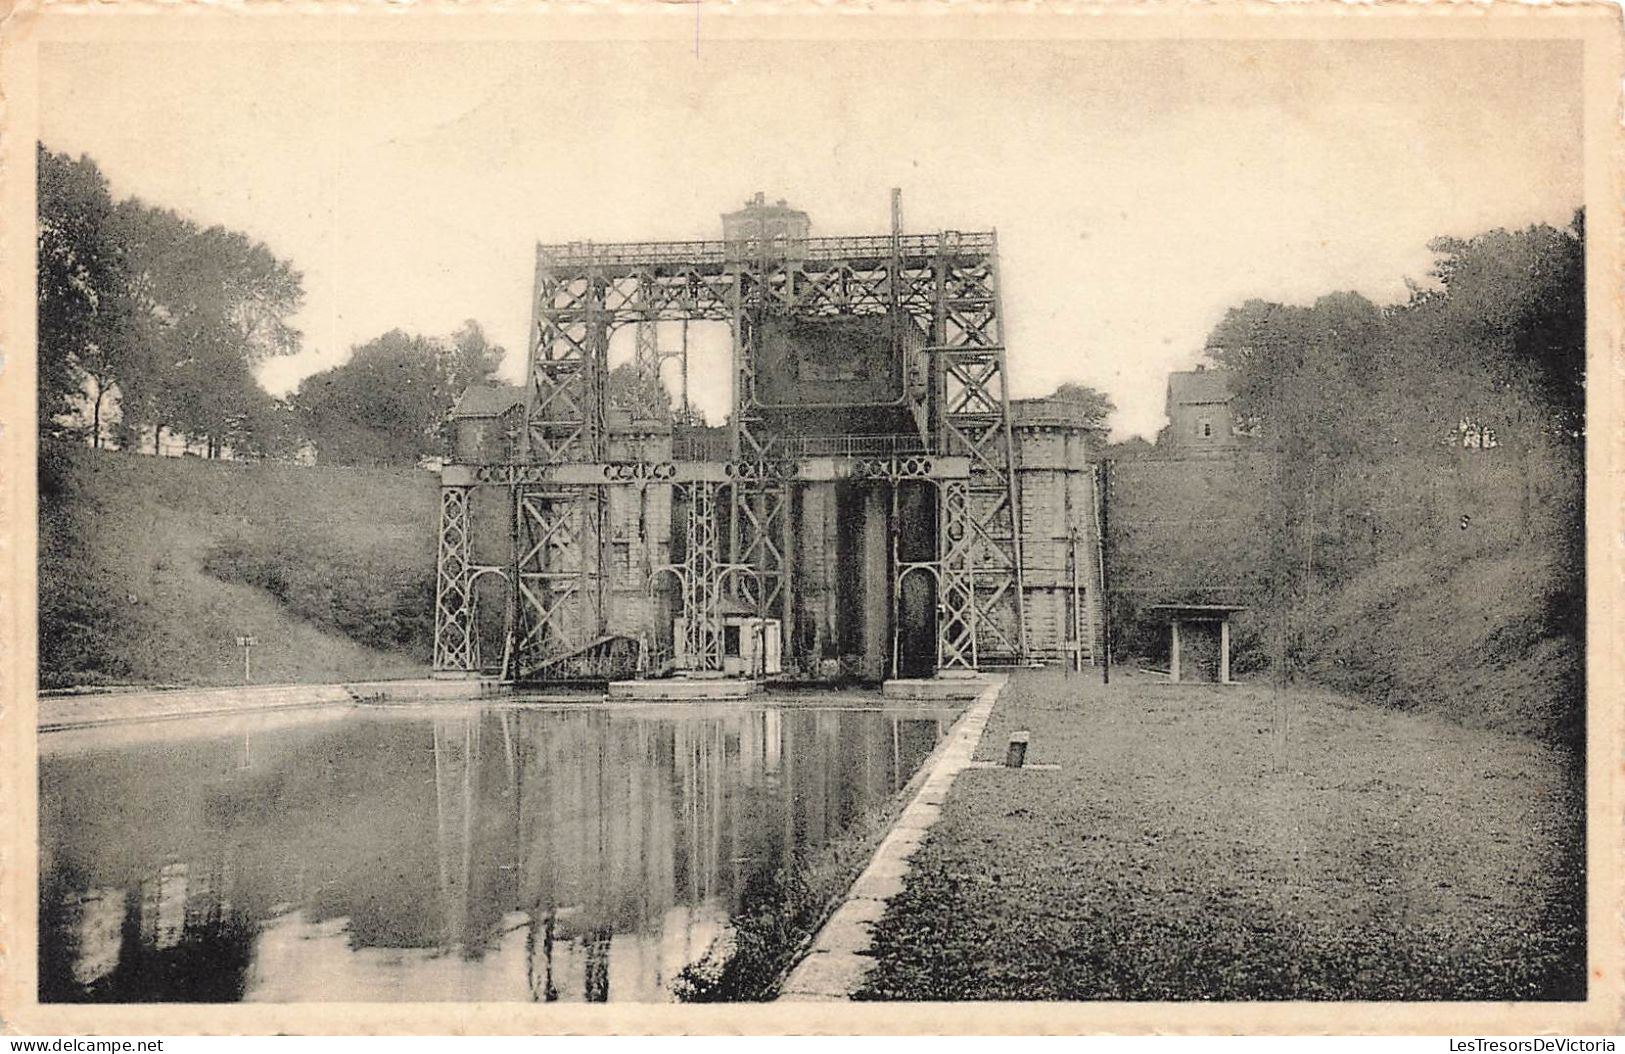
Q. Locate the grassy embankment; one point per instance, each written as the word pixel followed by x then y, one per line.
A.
pixel 1199 842
pixel 1458 599
pixel 1490 639
pixel 150 568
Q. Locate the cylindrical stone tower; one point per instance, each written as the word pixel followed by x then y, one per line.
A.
pixel 1056 454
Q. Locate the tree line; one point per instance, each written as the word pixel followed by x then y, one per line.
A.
pixel 151 324
pixel 1463 406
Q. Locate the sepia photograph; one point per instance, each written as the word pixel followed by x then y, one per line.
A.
pixel 1082 517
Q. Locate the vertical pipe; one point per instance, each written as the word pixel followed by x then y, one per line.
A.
pixel 1077 607
pixel 515 616
pixel 533 352
pixel 893 532
pixel 939 337
pixel 1102 525
pixel 788 614
pixel 685 370
pixel 896 758
pixel 1224 650
pixel 873 564
pixel 1173 650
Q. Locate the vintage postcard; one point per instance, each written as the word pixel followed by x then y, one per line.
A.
pixel 693 518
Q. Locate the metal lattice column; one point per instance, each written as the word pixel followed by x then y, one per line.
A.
pixel 565 391
pixel 456 646
pixel 956 579
pixel 974 420
pixel 556 575
pixel 648 395
pixel 702 642
pixel 760 523
pixel 760 530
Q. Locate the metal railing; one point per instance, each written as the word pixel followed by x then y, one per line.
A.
pixel 703 447
pixel 853 445
pixel 720 448
pixel 576 254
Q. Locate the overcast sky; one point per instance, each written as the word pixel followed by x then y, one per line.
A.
pixel 1138 188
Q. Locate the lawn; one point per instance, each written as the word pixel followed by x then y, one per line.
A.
pixel 1208 842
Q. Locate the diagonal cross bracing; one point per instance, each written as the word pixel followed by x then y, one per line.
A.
pixel 947 283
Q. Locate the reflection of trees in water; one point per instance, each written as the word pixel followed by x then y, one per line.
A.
pixel 172 936
pixel 602 850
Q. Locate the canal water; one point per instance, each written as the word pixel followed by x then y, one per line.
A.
pixel 436 854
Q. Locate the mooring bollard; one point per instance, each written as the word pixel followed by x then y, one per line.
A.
pixel 1016 754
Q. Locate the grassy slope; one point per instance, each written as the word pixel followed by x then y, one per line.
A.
pixel 1482 638
pixel 146 567
pixel 1182 852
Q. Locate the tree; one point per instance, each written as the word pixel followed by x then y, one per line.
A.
pixel 1095 405
pixel 388 403
pixel 472 358
pixel 635 395
pixel 141 308
pixel 1130 449
pixel 215 304
pixel 82 322
pixel 1362 406
pixel 1515 302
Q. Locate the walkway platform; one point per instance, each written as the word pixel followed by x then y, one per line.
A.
pixel 87 709
pixel 676 689
pixel 943 686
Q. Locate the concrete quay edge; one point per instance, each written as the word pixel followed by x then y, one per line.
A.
pixel 838 962
pixel 116 708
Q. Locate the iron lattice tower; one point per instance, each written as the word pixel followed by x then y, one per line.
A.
pixel 947 283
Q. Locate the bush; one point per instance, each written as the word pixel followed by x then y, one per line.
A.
pixel 377 599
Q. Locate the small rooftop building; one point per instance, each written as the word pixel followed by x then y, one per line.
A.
pixel 776 230
pixel 486 423
pixel 1199 415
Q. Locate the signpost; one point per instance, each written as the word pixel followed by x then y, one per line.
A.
pixel 247 644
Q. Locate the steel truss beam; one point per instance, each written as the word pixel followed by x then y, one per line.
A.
pixel 616 284
pixel 806 469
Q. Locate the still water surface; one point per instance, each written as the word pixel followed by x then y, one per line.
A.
pixel 436 854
